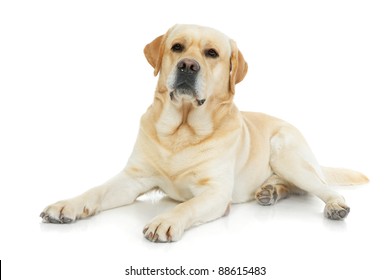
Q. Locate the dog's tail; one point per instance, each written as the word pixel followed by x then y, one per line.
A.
pixel 343 177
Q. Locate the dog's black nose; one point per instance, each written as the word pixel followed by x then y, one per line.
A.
pixel 189 66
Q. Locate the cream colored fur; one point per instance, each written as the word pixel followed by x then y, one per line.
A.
pixel 209 155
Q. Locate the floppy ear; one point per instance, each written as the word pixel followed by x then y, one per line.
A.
pixel 154 52
pixel 238 67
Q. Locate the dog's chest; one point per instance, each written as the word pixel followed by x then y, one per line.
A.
pixel 187 156
pixel 177 165
pixel 183 173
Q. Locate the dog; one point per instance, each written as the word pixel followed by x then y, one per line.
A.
pixel 199 149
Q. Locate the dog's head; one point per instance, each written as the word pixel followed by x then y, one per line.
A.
pixel 196 63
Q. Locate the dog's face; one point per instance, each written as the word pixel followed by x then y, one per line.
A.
pixel 195 63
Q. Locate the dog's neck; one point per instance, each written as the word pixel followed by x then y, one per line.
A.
pixel 183 123
pixel 177 125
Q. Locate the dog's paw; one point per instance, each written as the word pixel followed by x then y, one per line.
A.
pixel 266 195
pixel 163 229
pixel 336 211
pixel 65 212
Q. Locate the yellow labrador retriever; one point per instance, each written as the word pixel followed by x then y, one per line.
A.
pixel 198 148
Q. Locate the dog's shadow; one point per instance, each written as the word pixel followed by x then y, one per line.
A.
pixel 154 203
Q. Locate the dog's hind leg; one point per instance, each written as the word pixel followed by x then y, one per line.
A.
pixel 274 189
pixel 292 159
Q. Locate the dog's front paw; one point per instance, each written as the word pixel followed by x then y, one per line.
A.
pixel 164 229
pixel 336 211
pixel 65 212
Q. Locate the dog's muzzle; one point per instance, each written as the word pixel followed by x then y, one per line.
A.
pixel 186 79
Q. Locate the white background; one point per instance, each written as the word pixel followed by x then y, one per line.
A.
pixel 74 83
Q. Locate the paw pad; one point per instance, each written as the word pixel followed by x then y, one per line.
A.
pixel 267 195
pixel 335 211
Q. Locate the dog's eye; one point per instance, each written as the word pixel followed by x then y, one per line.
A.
pixel 211 53
pixel 177 48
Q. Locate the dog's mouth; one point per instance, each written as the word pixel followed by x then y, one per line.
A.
pixel 175 97
pixel 186 91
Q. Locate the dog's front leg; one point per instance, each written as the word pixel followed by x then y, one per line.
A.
pixel 121 190
pixel 209 205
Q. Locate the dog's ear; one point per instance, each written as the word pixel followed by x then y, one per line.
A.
pixel 238 67
pixel 154 52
